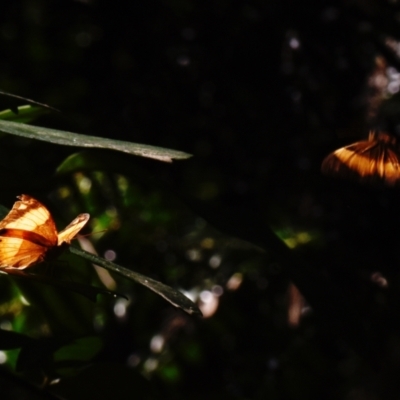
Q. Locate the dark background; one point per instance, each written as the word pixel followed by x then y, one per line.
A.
pixel 259 92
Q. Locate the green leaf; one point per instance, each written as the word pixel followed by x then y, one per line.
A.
pixel 25 114
pixel 74 139
pixel 97 160
pixel 54 356
pixel 173 296
pixel 82 349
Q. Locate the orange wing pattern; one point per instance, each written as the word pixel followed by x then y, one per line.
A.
pixel 376 160
pixel 68 233
pixel 28 234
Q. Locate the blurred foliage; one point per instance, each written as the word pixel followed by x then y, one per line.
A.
pixel 23 114
pixel 259 92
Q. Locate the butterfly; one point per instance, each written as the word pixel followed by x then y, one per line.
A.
pixel 28 234
pixel 376 160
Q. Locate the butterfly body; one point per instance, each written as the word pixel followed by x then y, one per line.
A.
pixel 28 234
pixel 376 160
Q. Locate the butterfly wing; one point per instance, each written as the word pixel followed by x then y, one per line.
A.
pixel 19 253
pixel 390 167
pixel 28 214
pixel 68 233
pixel 26 234
pixel 373 161
pixel 355 157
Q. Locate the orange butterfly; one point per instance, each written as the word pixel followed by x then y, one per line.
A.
pixel 376 160
pixel 28 234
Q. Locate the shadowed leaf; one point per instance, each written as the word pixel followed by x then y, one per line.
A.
pixel 173 296
pixel 82 349
pixel 111 380
pixel 89 292
pixel 37 103
pixel 12 340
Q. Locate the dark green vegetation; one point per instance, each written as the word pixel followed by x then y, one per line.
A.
pixel 259 93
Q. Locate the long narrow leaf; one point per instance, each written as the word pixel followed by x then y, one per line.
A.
pixel 74 139
pixel 173 296
pixel 15 96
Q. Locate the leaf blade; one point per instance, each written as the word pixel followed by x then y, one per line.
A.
pixel 65 138
pixel 174 297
